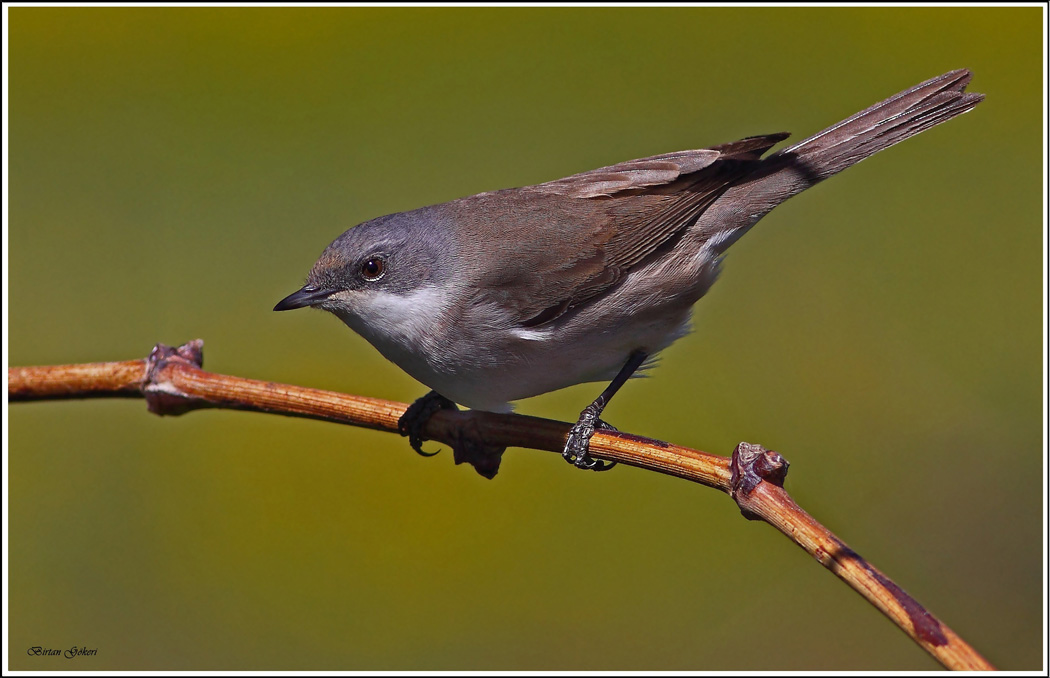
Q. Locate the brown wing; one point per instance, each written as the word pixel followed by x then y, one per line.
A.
pixel 657 170
pixel 570 240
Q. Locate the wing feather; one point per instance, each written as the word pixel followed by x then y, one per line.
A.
pixel 585 232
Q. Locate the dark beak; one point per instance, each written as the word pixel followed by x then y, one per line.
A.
pixel 307 296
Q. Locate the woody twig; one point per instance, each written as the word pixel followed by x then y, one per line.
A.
pixel 172 382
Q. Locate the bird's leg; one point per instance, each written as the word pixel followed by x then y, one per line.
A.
pixel 576 444
pixel 415 418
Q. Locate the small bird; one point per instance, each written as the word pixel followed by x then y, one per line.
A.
pixel 508 294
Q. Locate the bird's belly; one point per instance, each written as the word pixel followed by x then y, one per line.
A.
pixel 524 375
pixel 533 362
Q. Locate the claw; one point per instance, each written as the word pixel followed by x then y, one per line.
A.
pixel 415 418
pixel 417 445
pixel 575 451
pixel 577 445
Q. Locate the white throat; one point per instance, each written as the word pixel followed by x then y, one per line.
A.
pixel 401 326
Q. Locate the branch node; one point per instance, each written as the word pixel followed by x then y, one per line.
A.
pixel 458 429
pixel 162 396
pixel 752 464
pixel 461 431
pixel 468 447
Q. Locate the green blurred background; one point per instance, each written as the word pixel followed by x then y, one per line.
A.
pixel 175 172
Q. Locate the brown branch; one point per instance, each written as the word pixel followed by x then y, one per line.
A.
pixel 172 383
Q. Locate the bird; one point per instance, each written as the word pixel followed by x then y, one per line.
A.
pixel 509 294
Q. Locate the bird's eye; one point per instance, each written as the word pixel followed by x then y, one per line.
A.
pixel 373 268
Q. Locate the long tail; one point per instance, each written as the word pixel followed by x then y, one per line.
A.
pixel 901 116
pixel 792 170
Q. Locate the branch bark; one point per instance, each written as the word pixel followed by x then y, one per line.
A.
pixel 172 382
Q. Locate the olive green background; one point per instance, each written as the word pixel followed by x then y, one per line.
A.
pixel 175 172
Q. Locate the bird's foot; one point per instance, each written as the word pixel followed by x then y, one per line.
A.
pixel 578 442
pixel 415 418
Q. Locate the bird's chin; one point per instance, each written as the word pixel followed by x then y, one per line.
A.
pixel 346 313
pixel 340 303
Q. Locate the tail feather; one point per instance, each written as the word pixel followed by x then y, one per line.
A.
pixel 886 123
pixel 792 170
